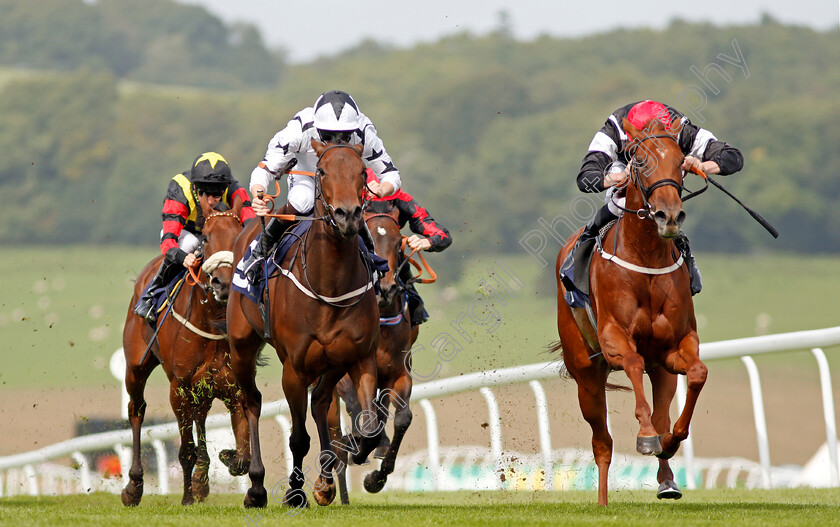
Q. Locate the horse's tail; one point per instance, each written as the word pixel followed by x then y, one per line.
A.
pixel 262 359
pixel 556 346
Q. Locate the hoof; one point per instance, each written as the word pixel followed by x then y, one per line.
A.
pixel 648 446
pixel 359 459
pixel 380 452
pixel 228 459
pixel 668 490
pixel 200 488
pixel 187 500
pixel 132 493
pixel 256 498
pixel 296 499
pixel 325 493
pixel 375 481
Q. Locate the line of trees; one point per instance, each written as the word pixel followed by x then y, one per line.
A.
pixel 487 131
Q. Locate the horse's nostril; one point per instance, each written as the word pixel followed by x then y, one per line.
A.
pixel 681 217
pixel 357 213
pixel 660 216
pixel 340 213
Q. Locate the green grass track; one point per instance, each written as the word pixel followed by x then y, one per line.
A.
pixel 731 507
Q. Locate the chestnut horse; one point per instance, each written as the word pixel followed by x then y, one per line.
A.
pixel 644 314
pixel 396 336
pixel 324 323
pixel 195 355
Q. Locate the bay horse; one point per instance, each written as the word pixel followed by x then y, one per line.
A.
pixel 323 324
pixel 192 348
pixel 396 336
pixel 644 315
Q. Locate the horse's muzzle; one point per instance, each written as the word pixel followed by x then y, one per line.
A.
pixel 221 290
pixel 348 221
pixel 669 223
pixel 387 295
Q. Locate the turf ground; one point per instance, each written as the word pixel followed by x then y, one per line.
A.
pixel 728 507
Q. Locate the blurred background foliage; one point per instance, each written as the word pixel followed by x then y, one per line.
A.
pixel 101 103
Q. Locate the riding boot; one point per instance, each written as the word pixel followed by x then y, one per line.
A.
pixel 145 307
pixel 598 222
pixel 590 232
pixel 274 230
pixel 693 272
pixel 415 307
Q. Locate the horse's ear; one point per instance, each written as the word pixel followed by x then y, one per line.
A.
pixel 237 205
pixel 205 207
pixel 631 130
pixel 319 147
pixel 675 127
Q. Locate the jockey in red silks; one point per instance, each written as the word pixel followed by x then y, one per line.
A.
pixel 209 176
pixel 428 236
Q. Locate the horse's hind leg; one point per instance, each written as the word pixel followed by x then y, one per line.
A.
pixel 399 396
pixel 664 385
pixel 135 383
pixel 591 383
pixel 179 398
pixel 200 477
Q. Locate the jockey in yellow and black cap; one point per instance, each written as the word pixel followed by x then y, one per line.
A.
pixel 209 176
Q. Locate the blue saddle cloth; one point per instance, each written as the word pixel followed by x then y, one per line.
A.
pixel 254 292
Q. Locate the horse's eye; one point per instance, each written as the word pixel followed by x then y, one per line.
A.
pixel 320 172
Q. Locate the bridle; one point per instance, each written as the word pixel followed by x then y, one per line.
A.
pixel 646 191
pixel 401 286
pixel 215 261
pixel 329 216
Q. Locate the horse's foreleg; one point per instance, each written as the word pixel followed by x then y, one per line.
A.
pixel 615 344
pixel 236 460
pixel 322 398
pixel 664 385
pixel 135 383
pixel 336 439
pixel 686 361
pixel 363 375
pixel 375 481
pixel 295 391
pixel 179 398
pixel 591 383
pixel 200 477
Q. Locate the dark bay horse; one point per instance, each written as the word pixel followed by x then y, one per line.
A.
pixel 644 315
pixel 396 336
pixel 323 324
pixel 195 355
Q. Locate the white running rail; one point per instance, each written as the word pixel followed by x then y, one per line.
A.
pixel 27 463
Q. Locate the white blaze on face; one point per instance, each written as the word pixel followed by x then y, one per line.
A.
pixel 381 231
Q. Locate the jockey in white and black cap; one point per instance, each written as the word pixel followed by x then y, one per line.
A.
pixel 334 118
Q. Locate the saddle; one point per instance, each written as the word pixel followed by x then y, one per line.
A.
pixel 575 269
pixel 254 292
